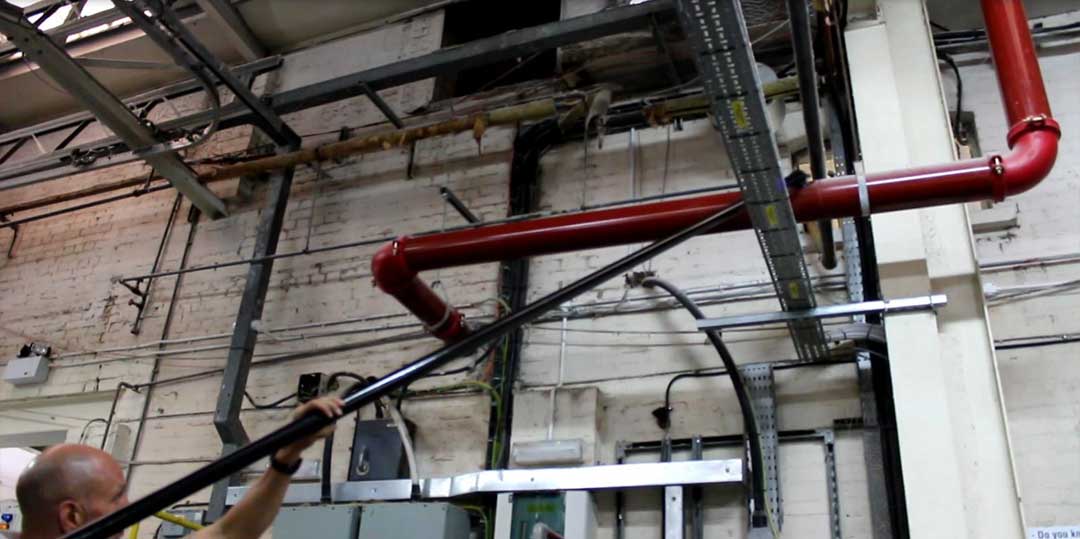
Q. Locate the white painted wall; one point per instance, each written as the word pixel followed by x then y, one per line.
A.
pixel 13 461
pixel 1039 384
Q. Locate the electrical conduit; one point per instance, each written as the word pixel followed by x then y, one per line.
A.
pixel 1033 139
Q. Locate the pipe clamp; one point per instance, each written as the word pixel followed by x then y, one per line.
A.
pixel 864 192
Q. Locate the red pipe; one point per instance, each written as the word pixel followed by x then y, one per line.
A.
pixel 1033 140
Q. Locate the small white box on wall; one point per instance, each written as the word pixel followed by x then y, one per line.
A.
pixel 24 371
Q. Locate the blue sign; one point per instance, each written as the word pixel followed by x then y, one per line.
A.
pixel 7 517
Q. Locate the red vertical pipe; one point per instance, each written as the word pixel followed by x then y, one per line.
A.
pixel 1017 65
pixel 1033 140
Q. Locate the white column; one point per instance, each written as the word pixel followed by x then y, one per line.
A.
pixel 954 442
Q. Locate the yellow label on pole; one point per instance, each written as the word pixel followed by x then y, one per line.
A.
pixel 793 290
pixel 738 111
pixel 770 214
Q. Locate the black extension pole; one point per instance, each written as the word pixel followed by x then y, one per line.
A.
pixel 759 518
pixel 116 522
pixel 802 42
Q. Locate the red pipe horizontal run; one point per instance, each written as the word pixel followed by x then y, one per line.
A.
pixel 1033 141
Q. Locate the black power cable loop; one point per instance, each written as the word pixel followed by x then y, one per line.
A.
pixel 759 517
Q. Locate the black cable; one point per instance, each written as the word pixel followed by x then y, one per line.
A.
pixel 1036 344
pixel 960 37
pixel 760 517
pixel 467 368
pixel 267 406
pixel 957 131
pixel 695 374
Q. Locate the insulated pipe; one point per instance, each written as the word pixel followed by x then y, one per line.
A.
pixel 1033 140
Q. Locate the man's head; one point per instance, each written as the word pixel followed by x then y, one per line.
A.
pixel 68 486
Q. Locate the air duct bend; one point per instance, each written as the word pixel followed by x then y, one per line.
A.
pixel 1033 142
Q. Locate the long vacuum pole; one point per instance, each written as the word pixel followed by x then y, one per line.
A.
pixel 115 523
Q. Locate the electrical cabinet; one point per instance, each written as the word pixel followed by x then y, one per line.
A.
pixel 373 521
pixel 322 521
pixel 377 452
pixel 570 514
pixel 413 521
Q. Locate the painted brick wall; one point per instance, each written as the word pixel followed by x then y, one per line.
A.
pixel 1039 384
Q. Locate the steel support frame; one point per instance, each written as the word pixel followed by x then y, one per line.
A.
pixel 604 477
pixel 449 60
pixel 171 91
pixel 242 345
pixel 695 445
pixel 165 28
pixel 81 24
pixel 760 384
pixel 112 112
pixel 228 18
pixel 921 303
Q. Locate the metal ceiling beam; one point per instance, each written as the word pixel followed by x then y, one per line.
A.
pixel 82 24
pixel 55 61
pixel 171 91
pixel 164 27
pixel 449 60
pixel 111 63
pixel 228 18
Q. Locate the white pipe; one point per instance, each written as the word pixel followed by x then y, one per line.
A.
pixel 406 440
pixel 559 380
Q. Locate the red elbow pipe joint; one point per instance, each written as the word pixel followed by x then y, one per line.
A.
pixel 393 275
pixel 1034 144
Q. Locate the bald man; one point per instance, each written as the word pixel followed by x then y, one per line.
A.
pixel 69 485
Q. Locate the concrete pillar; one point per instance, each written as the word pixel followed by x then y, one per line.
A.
pixel 954 442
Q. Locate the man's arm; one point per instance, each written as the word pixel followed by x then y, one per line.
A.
pixel 254 514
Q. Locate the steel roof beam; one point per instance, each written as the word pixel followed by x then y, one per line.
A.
pixel 228 18
pixel 448 60
pixel 55 61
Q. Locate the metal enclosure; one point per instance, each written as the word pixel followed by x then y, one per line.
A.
pixel 571 514
pixel 414 521
pixel 322 521
pixel 373 521
pixel 377 452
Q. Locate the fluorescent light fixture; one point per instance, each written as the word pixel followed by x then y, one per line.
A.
pixel 549 452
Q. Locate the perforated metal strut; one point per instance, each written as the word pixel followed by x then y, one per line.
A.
pixel 717 32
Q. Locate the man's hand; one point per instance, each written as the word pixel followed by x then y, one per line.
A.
pixel 328 406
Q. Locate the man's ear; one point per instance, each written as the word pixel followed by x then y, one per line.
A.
pixel 71 515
